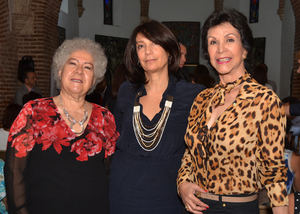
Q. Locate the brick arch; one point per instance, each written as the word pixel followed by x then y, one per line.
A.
pixel 33 32
pixel 296 77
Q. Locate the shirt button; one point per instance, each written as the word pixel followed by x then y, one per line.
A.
pixel 224 205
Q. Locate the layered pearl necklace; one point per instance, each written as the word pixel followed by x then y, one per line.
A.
pixel 73 121
pixel 149 137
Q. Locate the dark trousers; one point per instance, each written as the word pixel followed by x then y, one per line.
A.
pixel 219 207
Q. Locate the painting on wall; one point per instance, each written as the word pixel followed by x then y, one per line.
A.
pixel 114 49
pixel 258 52
pixel 189 34
pixel 108 12
pixel 254 6
pixel 61 35
pixel 61 38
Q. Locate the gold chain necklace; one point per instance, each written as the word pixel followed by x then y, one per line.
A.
pixel 149 137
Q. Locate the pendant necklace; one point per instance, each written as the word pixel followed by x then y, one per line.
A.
pixel 73 121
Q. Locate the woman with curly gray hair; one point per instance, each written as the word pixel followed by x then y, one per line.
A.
pixel 57 145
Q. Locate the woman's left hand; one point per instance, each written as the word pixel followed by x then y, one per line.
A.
pixel 192 204
pixel 280 210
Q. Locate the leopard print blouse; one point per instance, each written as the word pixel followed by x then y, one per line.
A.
pixel 243 150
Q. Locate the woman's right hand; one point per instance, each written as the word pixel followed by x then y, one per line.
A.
pixel 192 204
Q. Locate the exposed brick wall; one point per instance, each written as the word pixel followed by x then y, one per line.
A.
pixel 40 43
pixel 8 59
pixel 296 77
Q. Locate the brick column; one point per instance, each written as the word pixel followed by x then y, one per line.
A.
pixel 27 27
pixel 144 10
pixel 219 5
pixel 280 10
pixel 8 58
pixel 296 77
pixel 80 8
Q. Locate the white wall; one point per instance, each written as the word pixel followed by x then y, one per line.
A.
pixel 68 18
pixel 127 16
pixel 269 26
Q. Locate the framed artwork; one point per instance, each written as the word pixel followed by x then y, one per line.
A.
pixel 61 38
pixel 108 12
pixel 187 33
pixel 258 52
pixel 61 35
pixel 254 6
pixel 114 49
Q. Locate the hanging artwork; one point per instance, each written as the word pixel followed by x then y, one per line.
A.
pixel 254 6
pixel 108 12
pixel 61 35
pixel 258 52
pixel 189 34
pixel 114 50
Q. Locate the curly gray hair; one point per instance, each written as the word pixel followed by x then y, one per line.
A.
pixel 64 51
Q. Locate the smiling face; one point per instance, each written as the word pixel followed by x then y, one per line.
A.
pixel 152 57
pixel 226 51
pixel 77 75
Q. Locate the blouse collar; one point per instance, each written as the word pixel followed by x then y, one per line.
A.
pixel 169 91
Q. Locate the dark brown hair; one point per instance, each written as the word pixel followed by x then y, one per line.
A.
pixel 158 34
pixel 26 65
pixel 236 19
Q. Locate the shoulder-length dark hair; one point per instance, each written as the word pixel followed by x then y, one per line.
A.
pixel 236 19
pixel 158 34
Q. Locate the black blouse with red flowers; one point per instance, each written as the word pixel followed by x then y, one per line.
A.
pixel 51 170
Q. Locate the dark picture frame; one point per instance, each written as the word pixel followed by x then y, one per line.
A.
pixel 61 35
pixel 258 52
pixel 114 50
pixel 189 34
pixel 108 12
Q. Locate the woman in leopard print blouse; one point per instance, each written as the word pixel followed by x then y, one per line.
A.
pixel 235 133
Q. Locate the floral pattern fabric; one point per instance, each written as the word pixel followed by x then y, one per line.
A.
pixel 39 122
pixel 48 168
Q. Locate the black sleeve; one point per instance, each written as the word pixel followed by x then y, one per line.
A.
pixel 15 183
pixel 20 143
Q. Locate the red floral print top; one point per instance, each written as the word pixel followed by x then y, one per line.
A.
pixel 48 167
pixel 39 122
